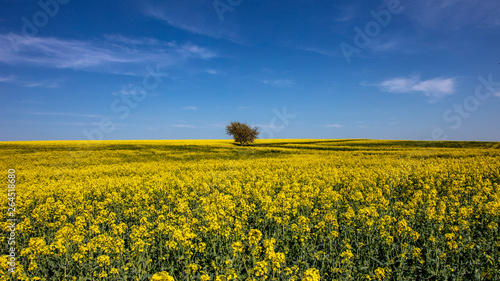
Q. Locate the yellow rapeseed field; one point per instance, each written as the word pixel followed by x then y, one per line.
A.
pixel 276 210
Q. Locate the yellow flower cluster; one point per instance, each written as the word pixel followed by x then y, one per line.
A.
pixel 162 276
pixel 277 210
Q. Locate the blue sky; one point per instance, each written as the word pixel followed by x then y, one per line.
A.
pixel 76 70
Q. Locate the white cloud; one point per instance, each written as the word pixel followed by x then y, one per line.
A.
pixel 200 21
pixel 434 88
pixel 327 53
pixel 346 13
pixel 68 123
pixel 454 14
pixel 24 82
pixel 270 126
pixel 497 94
pixel 183 126
pixel 334 126
pixel 217 125
pixel 395 42
pixel 138 41
pixel 190 107
pixel 399 85
pixel 211 71
pixel 66 114
pixel 117 54
pixel 197 51
pixel 7 78
pixel 130 90
pixel 42 84
pixel 279 82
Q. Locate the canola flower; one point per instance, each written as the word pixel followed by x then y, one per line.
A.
pixel 278 210
pixel 162 276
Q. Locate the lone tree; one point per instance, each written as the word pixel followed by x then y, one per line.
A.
pixel 241 132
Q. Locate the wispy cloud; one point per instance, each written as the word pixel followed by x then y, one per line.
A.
pixel 334 126
pixel 217 125
pixel 62 123
pixel 324 52
pixel 453 14
pixel 346 13
pixel 197 51
pixel 141 41
pixel 7 78
pixel 130 90
pixel 42 84
pixel 280 82
pixel 66 114
pixel 190 107
pixel 203 19
pixel 434 88
pixel 184 126
pixel 211 71
pixel 24 82
pixel 270 126
pixel 109 55
pixel 497 94
pixel 396 42
pixel 67 123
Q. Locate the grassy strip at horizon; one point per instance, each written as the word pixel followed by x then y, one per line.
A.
pixel 304 209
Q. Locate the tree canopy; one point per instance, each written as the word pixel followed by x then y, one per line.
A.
pixel 242 132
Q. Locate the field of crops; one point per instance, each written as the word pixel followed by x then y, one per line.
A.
pixel 276 210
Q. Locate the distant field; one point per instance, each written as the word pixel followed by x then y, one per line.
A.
pixel 275 210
